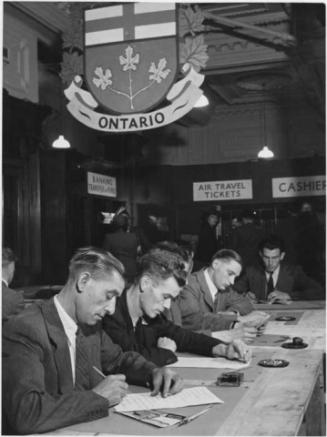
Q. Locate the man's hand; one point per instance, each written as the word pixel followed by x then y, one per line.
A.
pixel 251 296
pixel 165 381
pixel 167 343
pixel 235 350
pixel 244 332
pixel 255 319
pixel 279 297
pixel 113 388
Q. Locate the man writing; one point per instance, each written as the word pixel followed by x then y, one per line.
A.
pixel 53 352
pixel 275 281
pixel 138 323
pixel 208 301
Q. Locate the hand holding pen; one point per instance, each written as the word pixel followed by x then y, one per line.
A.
pixel 112 387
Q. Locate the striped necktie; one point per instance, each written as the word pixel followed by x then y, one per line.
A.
pixel 82 376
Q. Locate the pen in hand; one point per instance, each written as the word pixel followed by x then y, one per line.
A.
pixel 99 371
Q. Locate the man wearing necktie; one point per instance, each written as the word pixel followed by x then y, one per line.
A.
pixel 275 281
pixel 59 366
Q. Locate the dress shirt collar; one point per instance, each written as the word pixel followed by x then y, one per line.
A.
pixel 69 324
pixel 211 285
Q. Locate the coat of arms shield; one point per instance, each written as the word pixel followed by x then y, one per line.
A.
pixel 131 54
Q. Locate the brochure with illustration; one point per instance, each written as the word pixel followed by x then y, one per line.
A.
pixel 156 418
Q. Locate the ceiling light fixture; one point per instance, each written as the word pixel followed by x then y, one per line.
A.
pixel 202 102
pixel 61 143
pixel 265 152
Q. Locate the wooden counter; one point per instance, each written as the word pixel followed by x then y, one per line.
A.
pixel 270 401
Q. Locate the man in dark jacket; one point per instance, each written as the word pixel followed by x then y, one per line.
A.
pixel 138 323
pixel 55 351
pixel 275 281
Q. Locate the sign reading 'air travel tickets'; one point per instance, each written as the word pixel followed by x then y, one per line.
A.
pixel 222 190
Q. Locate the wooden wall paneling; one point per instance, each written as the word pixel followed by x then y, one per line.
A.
pixel 54 216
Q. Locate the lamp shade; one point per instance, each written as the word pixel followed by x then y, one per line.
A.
pixel 265 153
pixel 61 143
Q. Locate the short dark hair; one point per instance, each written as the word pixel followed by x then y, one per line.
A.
pixel 227 254
pixel 96 261
pixel 272 242
pixel 174 247
pixel 162 264
pixel 8 256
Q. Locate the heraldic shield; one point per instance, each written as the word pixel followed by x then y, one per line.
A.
pixel 131 55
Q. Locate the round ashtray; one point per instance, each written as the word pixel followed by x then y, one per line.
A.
pixel 297 343
pixel 276 362
pixel 285 318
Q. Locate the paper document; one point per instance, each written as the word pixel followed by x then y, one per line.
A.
pixel 185 398
pixel 209 362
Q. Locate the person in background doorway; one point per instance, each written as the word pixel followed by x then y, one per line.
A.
pixel 54 353
pixel 275 281
pixel 12 301
pixel 207 241
pixel 208 301
pixel 246 238
pixel 122 244
pixel 310 242
pixel 138 323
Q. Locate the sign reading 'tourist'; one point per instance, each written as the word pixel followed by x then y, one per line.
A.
pixel 101 185
pixel 222 190
pixel 299 186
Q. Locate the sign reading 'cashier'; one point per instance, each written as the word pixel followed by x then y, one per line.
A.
pixel 101 185
pixel 299 186
pixel 222 190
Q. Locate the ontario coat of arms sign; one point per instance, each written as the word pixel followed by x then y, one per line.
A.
pixel 131 65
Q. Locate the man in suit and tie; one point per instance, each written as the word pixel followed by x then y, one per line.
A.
pixel 208 301
pixel 55 352
pixel 12 301
pixel 275 281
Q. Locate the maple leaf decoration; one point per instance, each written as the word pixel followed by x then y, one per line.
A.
pixel 130 61
pixel 194 51
pixel 159 73
pixel 71 65
pixel 190 21
pixel 103 80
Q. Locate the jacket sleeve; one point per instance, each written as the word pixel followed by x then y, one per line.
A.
pixel 28 407
pixel 138 370
pixel 186 340
pixel 306 287
pixel 196 319
pixel 237 302
pixel 116 328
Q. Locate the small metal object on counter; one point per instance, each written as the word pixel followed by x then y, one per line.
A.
pixel 296 343
pixel 230 379
pixel 285 318
pixel 273 362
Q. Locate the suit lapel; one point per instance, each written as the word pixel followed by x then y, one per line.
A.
pixel 59 344
pixel 205 289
